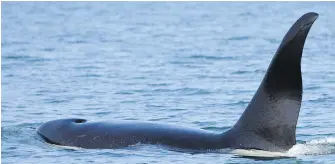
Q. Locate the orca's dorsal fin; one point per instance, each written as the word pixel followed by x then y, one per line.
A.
pixel 273 112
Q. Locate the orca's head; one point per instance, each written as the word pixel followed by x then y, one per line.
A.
pixel 58 131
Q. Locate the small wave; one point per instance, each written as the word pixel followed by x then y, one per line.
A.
pixel 260 154
pixel 312 87
pixel 88 75
pixel 66 147
pixel 248 14
pixel 321 99
pixel 238 103
pixel 240 72
pixel 239 38
pixel 77 42
pixel 56 101
pixel 183 91
pixel 272 40
pixel 14 43
pixel 313 147
pixel 193 91
pixel 211 57
pixel 25 58
pixel 181 62
pixel 159 84
pixel 48 49
pixel 88 67
pixel 123 93
pixel 103 113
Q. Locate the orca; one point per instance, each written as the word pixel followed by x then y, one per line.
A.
pixel 268 123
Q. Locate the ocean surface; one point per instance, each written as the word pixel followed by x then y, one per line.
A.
pixel 195 64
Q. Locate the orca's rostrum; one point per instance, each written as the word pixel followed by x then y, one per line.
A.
pixel 268 123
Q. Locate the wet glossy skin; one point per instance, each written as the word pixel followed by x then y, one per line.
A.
pixel 124 133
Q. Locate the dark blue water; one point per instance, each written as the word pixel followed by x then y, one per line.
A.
pixel 191 64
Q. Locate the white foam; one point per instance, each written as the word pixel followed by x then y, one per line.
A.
pixel 259 153
pixel 67 147
pixel 313 147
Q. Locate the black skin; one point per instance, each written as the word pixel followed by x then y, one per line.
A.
pixel 268 123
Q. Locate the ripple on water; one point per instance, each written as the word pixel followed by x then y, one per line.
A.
pixel 28 59
pixel 212 57
pixel 239 38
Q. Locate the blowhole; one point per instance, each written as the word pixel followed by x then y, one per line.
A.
pixel 79 121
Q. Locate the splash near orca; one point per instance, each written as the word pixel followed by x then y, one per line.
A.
pixel 268 123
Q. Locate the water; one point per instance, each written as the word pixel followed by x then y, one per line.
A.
pixel 191 64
